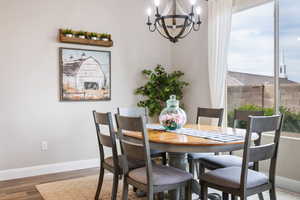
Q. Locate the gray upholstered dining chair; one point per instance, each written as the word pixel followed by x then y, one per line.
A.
pixel 240 180
pixel 143 112
pixel 216 113
pixel 221 161
pixel 152 178
pixel 113 163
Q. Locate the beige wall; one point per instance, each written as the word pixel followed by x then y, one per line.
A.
pixel 30 107
pixel 190 56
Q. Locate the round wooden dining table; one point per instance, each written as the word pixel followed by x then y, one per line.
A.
pixel 178 145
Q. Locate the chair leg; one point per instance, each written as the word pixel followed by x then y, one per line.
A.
pixel 115 187
pixel 125 189
pixel 100 181
pixel 191 167
pixel 233 197
pixel 242 197
pixel 164 159
pixel 204 191
pixel 150 197
pixel 225 196
pixel 273 193
pixel 161 196
pixel 260 196
pixel 178 194
pixel 188 191
pixel 201 169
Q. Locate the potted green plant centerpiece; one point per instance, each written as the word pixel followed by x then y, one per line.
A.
pixel 93 36
pixel 160 87
pixel 68 32
pixel 81 34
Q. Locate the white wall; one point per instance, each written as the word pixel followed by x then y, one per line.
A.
pixel 30 107
pixel 190 56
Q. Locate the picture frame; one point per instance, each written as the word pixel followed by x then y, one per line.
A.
pixel 84 74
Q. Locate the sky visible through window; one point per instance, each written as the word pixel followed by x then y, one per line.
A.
pixel 252 39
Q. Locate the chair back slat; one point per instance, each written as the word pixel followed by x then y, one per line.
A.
pixel 101 118
pixel 106 140
pixel 127 123
pixel 263 124
pixel 134 151
pixel 105 119
pixel 261 153
pixel 134 112
pixel 210 113
pixel 242 115
pixel 260 124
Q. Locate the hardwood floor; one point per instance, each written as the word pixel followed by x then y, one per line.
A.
pixel 21 189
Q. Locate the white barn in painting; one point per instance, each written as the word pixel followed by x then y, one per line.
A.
pixel 84 74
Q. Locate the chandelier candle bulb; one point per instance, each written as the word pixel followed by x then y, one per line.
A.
pixel 198 10
pixel 149 12
pixel 193 2
pixel 156 3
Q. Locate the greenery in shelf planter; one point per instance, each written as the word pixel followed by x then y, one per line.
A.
pixel 93 35
pixel 105 36
pixel 159 87
pixel 81 33
pixel 67 32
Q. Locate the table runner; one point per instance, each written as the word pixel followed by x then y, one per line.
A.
pixel 212 135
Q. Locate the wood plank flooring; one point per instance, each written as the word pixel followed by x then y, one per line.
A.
pixel 24 189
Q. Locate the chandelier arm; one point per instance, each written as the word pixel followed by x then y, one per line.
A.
pixel 190 21
pixel 158 22
pixel 159 31
pixel 182 30
pixel 196 27
pixel 153 27
pixel 172 39
pixel 188 32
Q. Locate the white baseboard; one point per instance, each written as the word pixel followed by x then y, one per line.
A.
pixel 47 169
pixel 288 184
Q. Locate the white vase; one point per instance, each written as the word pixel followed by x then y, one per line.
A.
pixel 105 39
pixel 69 35
pixel 81 36
pixel 94 38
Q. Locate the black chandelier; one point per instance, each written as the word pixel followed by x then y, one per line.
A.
pixel 174 26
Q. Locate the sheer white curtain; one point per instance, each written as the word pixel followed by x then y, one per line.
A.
pixel 219 28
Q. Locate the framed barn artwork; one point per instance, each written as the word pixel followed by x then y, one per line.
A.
pixel 85 75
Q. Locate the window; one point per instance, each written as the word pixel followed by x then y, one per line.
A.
pixel 289 84
pixel 250 79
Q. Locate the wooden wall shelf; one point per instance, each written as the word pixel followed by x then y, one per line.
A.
pixel 75 40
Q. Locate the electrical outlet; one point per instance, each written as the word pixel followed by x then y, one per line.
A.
pixel 44 145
